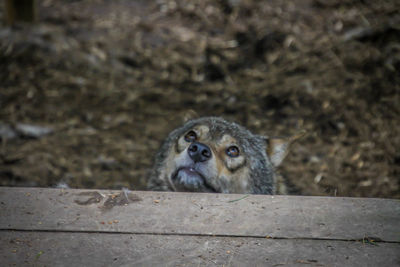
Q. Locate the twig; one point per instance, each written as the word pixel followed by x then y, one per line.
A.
pixel 230 201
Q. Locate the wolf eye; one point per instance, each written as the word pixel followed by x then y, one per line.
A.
pixel 232 151
pixel 190 136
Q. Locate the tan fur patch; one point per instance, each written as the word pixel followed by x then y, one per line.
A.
pixel 169 167
pixel 220 151
pixel 220 164
pixel 278 148
pixel 228 168
pixel 240 180
pixel 231 163
pixel 202 132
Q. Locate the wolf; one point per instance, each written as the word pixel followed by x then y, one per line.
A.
pixel 210 154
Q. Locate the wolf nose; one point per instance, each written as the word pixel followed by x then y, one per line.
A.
pixel 199 152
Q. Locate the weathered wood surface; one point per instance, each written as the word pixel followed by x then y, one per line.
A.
pixel 88 249
pixel 56 227
pixel 205 214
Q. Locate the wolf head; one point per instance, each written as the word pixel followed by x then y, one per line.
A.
pixel 210 154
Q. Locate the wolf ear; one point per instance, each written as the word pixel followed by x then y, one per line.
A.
pixel 189 115
pixel 278 148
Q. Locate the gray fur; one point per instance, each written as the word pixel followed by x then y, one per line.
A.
pixel 261 179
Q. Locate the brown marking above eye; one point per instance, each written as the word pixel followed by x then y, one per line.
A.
pixel 190 137
pixel 232 151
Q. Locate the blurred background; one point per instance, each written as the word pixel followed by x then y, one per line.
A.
pixel 89 89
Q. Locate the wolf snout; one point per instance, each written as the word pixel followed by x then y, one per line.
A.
pixel 199 152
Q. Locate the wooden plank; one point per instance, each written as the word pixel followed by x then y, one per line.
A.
pixel 199 214
pixel 91 249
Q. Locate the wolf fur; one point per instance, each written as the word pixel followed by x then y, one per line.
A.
pixel 221 170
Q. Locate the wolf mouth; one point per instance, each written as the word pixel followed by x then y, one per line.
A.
pixel 191 180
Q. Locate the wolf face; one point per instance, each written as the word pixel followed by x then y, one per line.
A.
pixel 212 155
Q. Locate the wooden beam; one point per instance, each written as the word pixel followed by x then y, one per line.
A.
pixel 58 227
pixel 205 214
pixel 90 249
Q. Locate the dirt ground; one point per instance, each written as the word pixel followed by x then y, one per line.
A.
pixel 110 79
